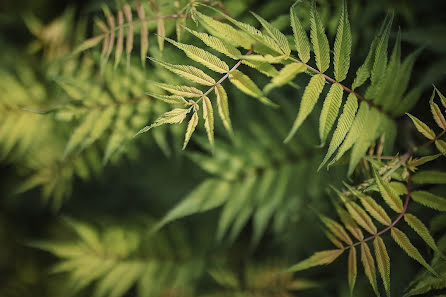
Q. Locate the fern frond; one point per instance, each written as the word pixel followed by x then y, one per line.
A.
pixel 112 260
pixel 309 99
pixel 342 46
pixel 319 40
pixel 300 36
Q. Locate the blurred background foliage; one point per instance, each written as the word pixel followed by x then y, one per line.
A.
pixel 93 202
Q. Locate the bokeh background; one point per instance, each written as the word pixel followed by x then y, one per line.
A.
pixel 126 195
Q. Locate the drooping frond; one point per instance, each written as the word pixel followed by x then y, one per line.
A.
pixel 118 29
pixel 117 259
pixel 358 212
pixel 252 181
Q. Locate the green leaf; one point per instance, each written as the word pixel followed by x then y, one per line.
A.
pixel 81 132
pixel 226 32
pixel 129 38
pixel 375 210
pixel 404 242
pixel 190 128
pixel 429 177
pixel 247 86
pixel 161 32
pixel 300 36
pixel 380 63
pixel 337 230
pixel 354 133
pixel 267 41
pixel 285 75
pixel 352 269
pixel 185 91
pixel 349 223
pixel 429 200
pixel 208 116
pixel 188 72
pixel 413 163
pixel 217 44
pixel 175 116
pixel 342 46
pixel 171 99
pixel 421 230
pixel 383 261
pixel 442 97
pixel 330 111
pixel 363 72
pixel 441 146
pixel 436 112
pixel 389 196
pixel 361 217
pixel 309 99
pixel 120 39
pixel 365 140
pixel 201 56
pixel 223 109
pixel 144 33
pixel 275 34
pixel 87 44
pixel 369 266
pixel 196 201
pixel 422 127
pixel 319 40
pixel 233 207
pixel 344 123
pixel 319 258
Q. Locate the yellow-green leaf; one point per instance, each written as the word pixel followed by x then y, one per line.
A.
pixel 354 132
pixel 442 97
pixel 309 99
pixel 383 261
pixel 201 56
pixel 161 32
pixel 300 36
pixel 429 177
pixel 330 111
pixel 389 196
pixel 375 210
pixel 421 230
pixel 404 242
pixel 285 75
pixel 223 109
pixel 369 266
pixel 429 200
pixel 337 230
pixel 185 91
pixel 441 146
pixel 342 46
pixel 319 258
pixel 217 44
pixel 275 34
pixel 190 128
pixel 352 269
pixel 319 40
pixel 120 39
pixel 188 72
pixel 247 86
pixel 344 123
pixel 437 114
pixel 422 127
pixel 361 217
pixel 225 31
pixel 144 32
pixel 175 116
pixel 208 116
pixel 171 99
